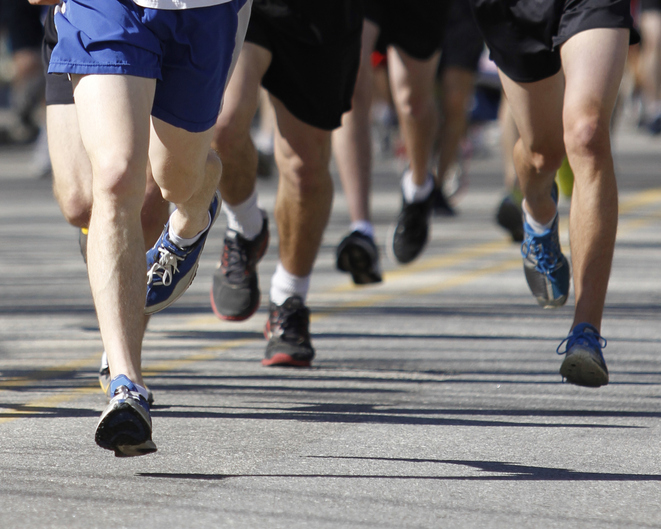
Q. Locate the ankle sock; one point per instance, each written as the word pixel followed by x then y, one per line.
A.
pixel 182 242
pixel 245 218
pixel 415 193
pixel 285 285
pixel 537 227
pixel 363 226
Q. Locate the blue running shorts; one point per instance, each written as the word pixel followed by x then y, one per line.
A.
pixel 189 52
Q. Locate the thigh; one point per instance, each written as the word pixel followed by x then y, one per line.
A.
pixel 537 111
pixel 593 63
pixel 72 173
pixel 411 79
pixel 113 115
pixel 242 94
pixel 301 149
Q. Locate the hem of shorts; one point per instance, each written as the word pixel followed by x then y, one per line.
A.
pixel 529 79
pixel 634 37
pixel 189 126
pixel 101 69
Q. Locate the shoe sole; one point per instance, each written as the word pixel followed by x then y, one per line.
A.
pixel 581 370
pixel 116 428
pixel 357 262
pixel 284 360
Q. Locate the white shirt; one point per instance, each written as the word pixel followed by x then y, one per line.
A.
pixel 178 4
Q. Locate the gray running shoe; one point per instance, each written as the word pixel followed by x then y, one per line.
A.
pixel 125 425
pixel 584 363
pixel 235 292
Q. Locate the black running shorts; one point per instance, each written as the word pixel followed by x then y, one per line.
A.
pixel 415 26
pixel 524 36
pixel 650 5
pixel 463 43
pixel 316 52
pixel 59 90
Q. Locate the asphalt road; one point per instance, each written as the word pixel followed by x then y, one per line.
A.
pixel 434 400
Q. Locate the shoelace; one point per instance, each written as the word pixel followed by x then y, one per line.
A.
pixel 545 251
pixel 293 322
pixel 235 258
pixel 164 268
pixel 591 339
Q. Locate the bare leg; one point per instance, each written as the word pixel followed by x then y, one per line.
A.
pixel 456 90
pixel 116 137
pixel 305 192
pixel 412 83
pixel 593 62
pixel 352 143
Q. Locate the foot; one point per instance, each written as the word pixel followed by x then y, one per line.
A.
pixel 411 230
pixel 235 292
pixel 125 425
pixel 288 333
pixel 358 255
pixel 170 269
pixel 440 205
pixel 104 379
pixel 584 363
pixel 546 268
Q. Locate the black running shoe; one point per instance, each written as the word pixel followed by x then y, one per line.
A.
pixel 509 216
pixel 125 425
pixel 411 230
pixel 440 204
pixel 358 255
pixel 235 292
pixel 288 333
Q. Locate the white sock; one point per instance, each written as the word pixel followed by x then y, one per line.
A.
pixel 537 227
pixel 285 285
pixel 363 226
pixel 182 242
pixel 245 218
pixel 414 193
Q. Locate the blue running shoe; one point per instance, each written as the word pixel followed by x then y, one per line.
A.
pixel 125 425
pixel 546 268
pixel 170 269
pixel 584 364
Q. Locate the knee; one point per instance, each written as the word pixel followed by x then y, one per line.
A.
pixel 119 181
pixel 587 136
pixel 305 177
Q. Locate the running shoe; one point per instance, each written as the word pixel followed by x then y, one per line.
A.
pixel 584 364
pixel 509 217
pixel 411 230
pixel 440 205
pixel 170 269
pixel 235 292
pixel 546 268
pixel 82 243
pixel 288 333
pixel 104 379
pixel 358 255
pixel 125 425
